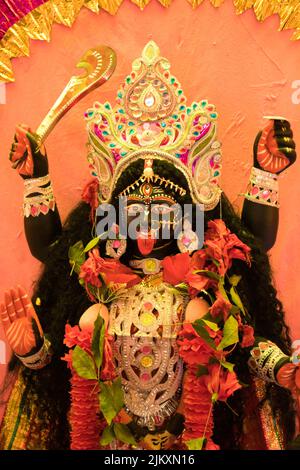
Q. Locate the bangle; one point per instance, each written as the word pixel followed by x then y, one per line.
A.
pixel 264 359
pixel 39 359
pixel 263 188
pixel 38 196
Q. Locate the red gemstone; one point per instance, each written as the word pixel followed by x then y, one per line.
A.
pixel 145 377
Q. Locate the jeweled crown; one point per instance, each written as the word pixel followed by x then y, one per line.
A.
pixel 152 121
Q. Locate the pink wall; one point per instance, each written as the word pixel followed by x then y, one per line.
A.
pixel 244 67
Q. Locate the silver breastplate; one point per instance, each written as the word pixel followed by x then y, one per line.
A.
pixel 145 323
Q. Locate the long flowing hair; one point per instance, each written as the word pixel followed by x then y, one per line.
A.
pixel 63 300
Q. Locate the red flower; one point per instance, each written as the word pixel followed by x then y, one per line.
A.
pixel 68 358
pixel 90 193
pixel 114 272
pixel 220 307
pixel 192 348
pixel 175 268
pixel 216 229
pixel 220 381
pixel 210 445
pixel 248 336
pixel 71 334
pixel 224 246
pixel 108 368
pixel 198 281
pixel 91 268
pixel 74 336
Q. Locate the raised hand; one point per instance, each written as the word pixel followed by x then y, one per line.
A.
pixel 20 322
pixel 26 155
pixel 274 147
pixel 288 376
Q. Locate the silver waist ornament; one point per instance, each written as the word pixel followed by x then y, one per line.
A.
pixel 146 322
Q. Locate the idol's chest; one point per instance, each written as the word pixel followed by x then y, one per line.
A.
pixel 145 323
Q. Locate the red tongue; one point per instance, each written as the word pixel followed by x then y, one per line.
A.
pixel 145 243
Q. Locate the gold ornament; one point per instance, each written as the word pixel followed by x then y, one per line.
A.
pixel 38 23
pixel 99 64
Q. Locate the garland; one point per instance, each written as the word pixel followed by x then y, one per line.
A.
pixel 204 345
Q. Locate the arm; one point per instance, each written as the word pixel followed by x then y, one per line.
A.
pixel 41 218
pixel 274 151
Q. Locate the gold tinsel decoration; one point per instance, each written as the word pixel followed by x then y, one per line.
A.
pixel 38 23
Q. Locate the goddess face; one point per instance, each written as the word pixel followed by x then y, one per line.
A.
pixel 151 213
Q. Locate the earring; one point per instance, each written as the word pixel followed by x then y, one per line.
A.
pixel 116 247
pixel 187 240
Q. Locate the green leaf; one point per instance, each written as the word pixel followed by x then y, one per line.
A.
pixel 76 256
pixel 227 365
pixel 108 436
pixel 196 444
pixel 201 370
pixel 209 274
pixel 199 327
pixel 111 399
pixel 91 244
pixel 222 290
pixel 212 325
pixel 123 433
pixel 118 394
pixel 83 364
pixel 235 279
pixel 98 341
pixel 236 299
pixel 230 333
pixel 234 310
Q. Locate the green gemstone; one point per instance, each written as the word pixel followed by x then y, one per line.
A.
pixel 120 94
pixel 213 115
pixel 120 126
pixel 105 133
pixel 196 133
pixel 131 131
pixel 216 173
pixel 91 113
pixel 123 154
pixel 175 116
pixel 203 103
pixel 163 124
pixel 128 79
pixel 182 107
pixel 112 145
pixel 131 123
pixel 180 92
pixel 121 111
pixel 169 132
pixel 107 106
pixel 188 110
pixel 195 105
pixel 172 80
pixel 178 126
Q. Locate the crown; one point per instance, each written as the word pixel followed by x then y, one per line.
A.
pixel 151 121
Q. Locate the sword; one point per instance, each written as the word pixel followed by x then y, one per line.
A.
pixel 99 64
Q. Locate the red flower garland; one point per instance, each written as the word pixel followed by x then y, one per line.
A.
pixel 85 421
